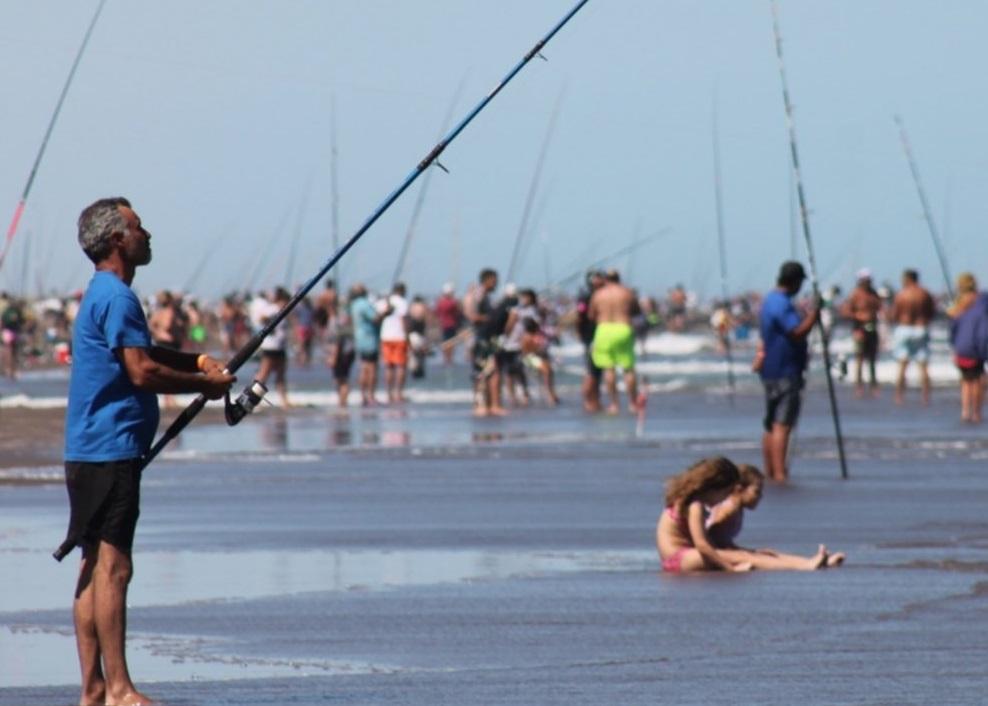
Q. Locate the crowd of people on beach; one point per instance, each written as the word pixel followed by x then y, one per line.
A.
pixel 507 336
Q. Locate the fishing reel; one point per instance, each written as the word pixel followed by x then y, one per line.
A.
pixel 245 403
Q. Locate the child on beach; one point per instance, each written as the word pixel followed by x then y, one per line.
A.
pixel 681 534
pixel 726 518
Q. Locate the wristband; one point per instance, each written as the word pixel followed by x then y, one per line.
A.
pixel 200 360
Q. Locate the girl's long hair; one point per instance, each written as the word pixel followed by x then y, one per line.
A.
pixel 707 474
pixel 749 475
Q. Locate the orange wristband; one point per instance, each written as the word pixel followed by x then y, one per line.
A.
pixel 200 360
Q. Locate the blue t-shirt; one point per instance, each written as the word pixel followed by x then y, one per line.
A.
pixel 784 358
pixel 366 328
pixel 107 419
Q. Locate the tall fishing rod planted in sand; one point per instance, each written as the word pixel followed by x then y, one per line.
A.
pixel 252 395
pixel 530 198
pixel 423 190
pixel 804 217
pixel 19 211
pixel 930 223
pixel 722 250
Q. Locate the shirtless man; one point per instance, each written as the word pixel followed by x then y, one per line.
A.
pixel 611 307
pixel 912 311
pixel 862 307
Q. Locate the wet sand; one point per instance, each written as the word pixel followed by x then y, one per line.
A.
pixel 417 555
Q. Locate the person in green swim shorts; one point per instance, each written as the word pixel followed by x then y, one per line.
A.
pixel 614 339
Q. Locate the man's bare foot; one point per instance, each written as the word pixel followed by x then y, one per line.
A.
pixel 480 412
pixel 819 559
pixel 498 412
pixel 835 559
pixel 613 410
pixel 132 698
pixel 95 695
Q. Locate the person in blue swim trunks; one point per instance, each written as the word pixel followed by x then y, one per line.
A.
pixel 912 311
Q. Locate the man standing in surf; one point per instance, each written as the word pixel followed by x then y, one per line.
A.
pixel 912 311
pixel 611 307
pixel 110 422
pixel 781 363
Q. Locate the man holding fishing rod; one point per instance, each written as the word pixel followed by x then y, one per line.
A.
pixel 781 362
pixel 110 422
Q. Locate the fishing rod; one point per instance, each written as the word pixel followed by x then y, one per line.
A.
pixel 722 250
pixel 420 200
pixel 334 191
pixel 253 393
pixel 824 336
pixel 614 255
pixel 19 211
pixel 207 255
pixel 297 237
pixel 926 206
pixel 530 198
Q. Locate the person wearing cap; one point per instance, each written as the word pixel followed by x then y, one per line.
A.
pixel 862 307
pixel 912 311
pixel 781 363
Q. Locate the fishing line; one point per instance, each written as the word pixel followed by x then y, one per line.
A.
pixel 824 335
pixel 19 211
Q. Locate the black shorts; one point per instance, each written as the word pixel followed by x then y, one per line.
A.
pixel 274 356
pixel 592 370
pixel 866 341
pixel 509 362
pixel 483 357
pixel 782 401
pixel 450 333
pixel 971 372
pixel 341 368
pixel 105 501
pixel 369 357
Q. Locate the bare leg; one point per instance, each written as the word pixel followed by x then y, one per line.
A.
pixel 978 394
pixel 343 390
pixel 610 381
pixel 966 400
pixel 389 382
pixel 111 575
pixel 858 377
pixel 631 387
pixel 87 644
pixel 494 390
pixel 401 373
pixel 591 393
pixel 900 382
pixel 924 372
pixel 778 443
pixel 778 562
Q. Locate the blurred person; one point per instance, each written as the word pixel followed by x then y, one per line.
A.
pixel 274 347
pixel 611 309
pixel 394 342
pixel 487 326
pixel 585 327
pixel 449 315
pixel 367 340
pixel 781 363
pixel 912 311
pixel 969 339
pixel 863 307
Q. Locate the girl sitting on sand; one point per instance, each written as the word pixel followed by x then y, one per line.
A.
pixel 681 534
pixel 726 518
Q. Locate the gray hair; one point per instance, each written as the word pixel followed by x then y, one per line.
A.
pixel 97 223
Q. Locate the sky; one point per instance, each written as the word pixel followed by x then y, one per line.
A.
pixel 216 120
